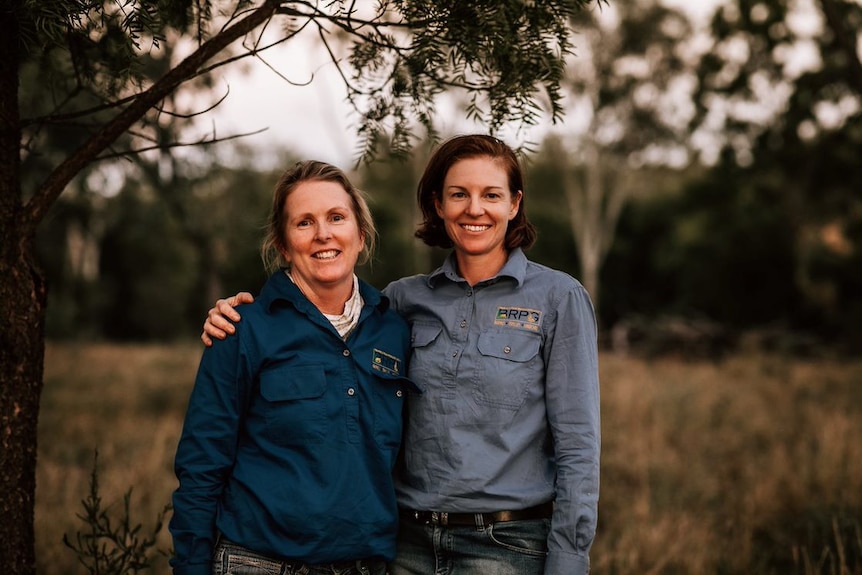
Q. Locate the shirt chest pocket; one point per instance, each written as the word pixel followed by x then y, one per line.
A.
pixel 425 358
pixel 294 404
pixel 508 365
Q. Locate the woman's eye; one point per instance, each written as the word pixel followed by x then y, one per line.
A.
pixel 338 218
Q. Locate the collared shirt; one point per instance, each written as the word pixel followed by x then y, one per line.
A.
pixel 291 435
pixel 508 415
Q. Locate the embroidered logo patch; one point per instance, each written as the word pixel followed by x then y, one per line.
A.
pixel 519 317
pixel 386 363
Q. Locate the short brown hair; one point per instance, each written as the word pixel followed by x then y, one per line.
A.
pixel 520 233
pixel 311 170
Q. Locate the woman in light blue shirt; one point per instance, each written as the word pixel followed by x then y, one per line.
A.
pixel 499 470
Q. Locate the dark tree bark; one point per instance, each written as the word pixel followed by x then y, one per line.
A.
pixel 22 341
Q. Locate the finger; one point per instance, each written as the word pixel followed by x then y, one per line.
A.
pixel 243 297
pixel 216 325
pixel 206 339
pixel 224 309
pixel 213 330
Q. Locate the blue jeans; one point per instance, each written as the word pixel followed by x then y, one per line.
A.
pixel 505 548
pixel 232 559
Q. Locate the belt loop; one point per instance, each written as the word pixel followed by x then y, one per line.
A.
pixel 479 519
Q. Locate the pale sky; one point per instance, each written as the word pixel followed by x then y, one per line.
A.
pixel 312 118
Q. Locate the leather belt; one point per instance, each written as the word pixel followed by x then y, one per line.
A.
pixel 542 511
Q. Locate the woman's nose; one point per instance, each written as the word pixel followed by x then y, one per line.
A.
pixel 324 231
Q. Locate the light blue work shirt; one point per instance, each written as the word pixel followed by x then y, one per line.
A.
pixel 508 417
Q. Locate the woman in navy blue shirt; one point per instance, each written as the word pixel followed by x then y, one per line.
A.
pixel 293 426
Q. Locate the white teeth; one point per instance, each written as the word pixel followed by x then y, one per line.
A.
pixel 326 255
pixel 475 228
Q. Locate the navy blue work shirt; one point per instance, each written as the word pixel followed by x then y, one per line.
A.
pixel 291 435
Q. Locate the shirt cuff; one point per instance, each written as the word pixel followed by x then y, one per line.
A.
pixel 559 563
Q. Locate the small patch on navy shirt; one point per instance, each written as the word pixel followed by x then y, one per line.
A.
pixel 519 317
pixel 386 363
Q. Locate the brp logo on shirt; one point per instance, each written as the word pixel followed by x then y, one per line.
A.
pixel 519 317
pixel 382 361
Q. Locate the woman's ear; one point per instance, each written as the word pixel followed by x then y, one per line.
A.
pixel 438 206
pixel 516 204
pixel 282 249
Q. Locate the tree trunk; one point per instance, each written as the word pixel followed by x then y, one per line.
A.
pixel 22 341
pixel 595 209
pixel 22 347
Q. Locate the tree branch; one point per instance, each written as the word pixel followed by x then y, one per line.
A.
pixel 51 189
pixel 176 145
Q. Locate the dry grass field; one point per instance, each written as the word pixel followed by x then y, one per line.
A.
pixel 751 466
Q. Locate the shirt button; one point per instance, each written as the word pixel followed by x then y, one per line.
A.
pixel 454 354
pixel 469 292
pixel 345 353
pixel 507 349
pixel 399 393
pixel 463 323
pixel 351 391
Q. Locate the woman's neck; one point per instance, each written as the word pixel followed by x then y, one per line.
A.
pixel 477 268
pixel 329 299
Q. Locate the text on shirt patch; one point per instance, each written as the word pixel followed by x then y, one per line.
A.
pixel 520 317
pixel 382 361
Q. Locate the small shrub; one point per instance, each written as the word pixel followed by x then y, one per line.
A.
pixel 113 546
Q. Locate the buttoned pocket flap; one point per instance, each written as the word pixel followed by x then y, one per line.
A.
pixel 513 345
pixel 422 334
pixel 291 383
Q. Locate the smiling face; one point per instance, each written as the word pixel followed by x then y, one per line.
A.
pixel 322 240
pixel 476 206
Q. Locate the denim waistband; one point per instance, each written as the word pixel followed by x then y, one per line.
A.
pixel 230 552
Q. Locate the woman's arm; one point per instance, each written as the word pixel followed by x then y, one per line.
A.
pixel 572 399
pixel 206 455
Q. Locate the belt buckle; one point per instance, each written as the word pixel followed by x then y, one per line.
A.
pixel 438 518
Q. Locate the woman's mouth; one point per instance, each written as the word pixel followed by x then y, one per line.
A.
pixel 475 228
pixel 326 255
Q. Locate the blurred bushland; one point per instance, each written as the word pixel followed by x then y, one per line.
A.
pixel 750 465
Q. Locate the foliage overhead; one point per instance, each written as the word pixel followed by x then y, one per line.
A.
pixel 394 58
